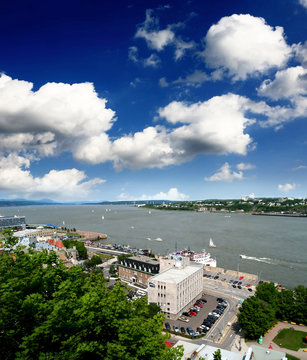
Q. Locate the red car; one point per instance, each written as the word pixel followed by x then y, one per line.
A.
pixel 198 304
pixel 248 285
pixel 193 313
pixel 242 277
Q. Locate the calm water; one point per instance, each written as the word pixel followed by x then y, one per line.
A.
pixel 277 245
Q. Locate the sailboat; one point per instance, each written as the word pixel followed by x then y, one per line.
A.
pixel 211 243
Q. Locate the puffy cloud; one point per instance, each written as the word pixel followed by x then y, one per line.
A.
pixel 173 194
pixel 225 174
pixel 213 126
pixel 300 51
pixel 243 166
pixel 287 83
pixel 303 3
pixel 61 185
pixel 244 45
pixel 286 187
pixel 216 126
pixel 156 39
pixel 56 117
pixel 148 148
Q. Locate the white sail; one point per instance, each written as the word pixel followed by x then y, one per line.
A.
pixel 211 243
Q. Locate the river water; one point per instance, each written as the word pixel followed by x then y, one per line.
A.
pixel 275 247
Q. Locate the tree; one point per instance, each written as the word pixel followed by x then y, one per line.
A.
pixel 256 317
pixel 217 355
pixel 112 270
pixel 268 293
pixel 50 312
pixel 82 251
pixel 93 262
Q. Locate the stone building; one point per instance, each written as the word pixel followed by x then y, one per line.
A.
pixel 138 269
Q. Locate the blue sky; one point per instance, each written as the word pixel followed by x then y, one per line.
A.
pixel 173 100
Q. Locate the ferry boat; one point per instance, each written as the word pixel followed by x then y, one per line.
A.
pixel 203 258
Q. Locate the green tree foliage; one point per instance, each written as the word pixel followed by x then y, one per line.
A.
pixel 79 246
pixel 112 270
pixel 50 312
pixel 93 262
pixel 268 293
pixel 260 312
pixel 217 355
pixel 256 317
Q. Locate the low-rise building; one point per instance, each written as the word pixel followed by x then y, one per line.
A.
pixel 203 351
pixel 138 269
pixel 177 287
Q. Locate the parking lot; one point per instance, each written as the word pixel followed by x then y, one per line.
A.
pixel 231 282
pixel 195 321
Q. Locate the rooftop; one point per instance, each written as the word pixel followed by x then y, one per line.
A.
pixel 145 259
pixel 175 275
pixel 205 351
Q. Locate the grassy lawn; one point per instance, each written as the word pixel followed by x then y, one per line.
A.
pixel 290 357
pixel 290 339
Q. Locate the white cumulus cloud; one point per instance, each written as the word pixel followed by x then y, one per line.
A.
pixel 225 174
pixel 61 185
pixel 287 83
pixel 286 187
pixel 54 118
pixel 303 3
pixel 172 194
pixel 243 45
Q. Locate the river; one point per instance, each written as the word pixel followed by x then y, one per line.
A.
pixel 275 247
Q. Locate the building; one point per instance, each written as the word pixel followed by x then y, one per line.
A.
pixel 196 352
pixel 260 353
pixel 177 287
pixel 138 269
pixel 12 222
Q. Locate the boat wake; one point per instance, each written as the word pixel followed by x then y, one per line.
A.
pixel 262 259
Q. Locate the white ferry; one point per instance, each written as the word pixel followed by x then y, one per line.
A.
pixel 203 258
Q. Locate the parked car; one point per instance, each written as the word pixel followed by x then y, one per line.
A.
pixel 242 277
pixel 250 289
pixel 184 318
pixel 167 326
pixel 182 329
pixel 248 285
pixel 190 331
pixel 176 328
pixel 220 300
pixel 193 313
pixel 186 314
pixel 239 287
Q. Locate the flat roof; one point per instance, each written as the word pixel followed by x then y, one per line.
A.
pixel 175 275
pixel 206 351
pixel 145 259
pixel 262 353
